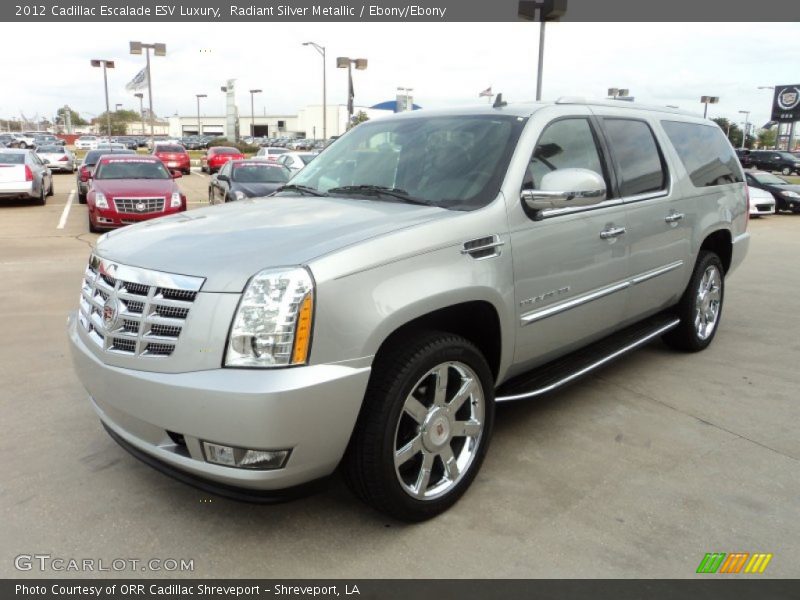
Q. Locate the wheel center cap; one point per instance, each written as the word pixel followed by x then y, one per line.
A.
pixel 436 430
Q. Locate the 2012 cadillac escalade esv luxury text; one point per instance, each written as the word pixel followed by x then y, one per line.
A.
pixel 424 267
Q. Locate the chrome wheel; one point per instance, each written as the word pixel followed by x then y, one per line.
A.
pixel 708 302
pixel 439 431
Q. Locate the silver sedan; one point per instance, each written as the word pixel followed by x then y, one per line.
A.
pixel 58 158
pixel 24 175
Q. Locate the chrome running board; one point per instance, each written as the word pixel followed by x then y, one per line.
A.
pixel 567 369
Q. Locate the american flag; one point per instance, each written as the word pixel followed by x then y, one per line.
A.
pixel 486 92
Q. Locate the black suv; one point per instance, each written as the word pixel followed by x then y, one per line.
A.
pixel 775 160
pixel 744 157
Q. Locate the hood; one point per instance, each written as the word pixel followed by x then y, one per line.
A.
pixel 254 190
pixel 135 188
pixel 229 243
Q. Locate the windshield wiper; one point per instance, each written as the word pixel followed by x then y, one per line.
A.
pixel 303 189
pixel 379 190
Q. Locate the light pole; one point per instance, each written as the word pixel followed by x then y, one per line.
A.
pixel 321 50
pixel 406 91
pixel 140 96
pixel 344 62
pixel 542 11
pixel 106 64
pixel 158 50
pixel 199 127
pixel 706 100
pixel 253 113
pixel 746 114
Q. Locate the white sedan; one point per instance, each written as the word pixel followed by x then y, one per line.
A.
pixel 294 161
pixel 761 202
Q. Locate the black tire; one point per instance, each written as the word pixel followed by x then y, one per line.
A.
pixel 786 171
pixel 51 191
pixel 369 462
pixel 210 196
pixel 81 198
pixel 92 228
pixel 42 199
pixel 685 336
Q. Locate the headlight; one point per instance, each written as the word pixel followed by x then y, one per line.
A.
pixel 239 195
pixel 175 201
pixel 272 326
pixel 100 200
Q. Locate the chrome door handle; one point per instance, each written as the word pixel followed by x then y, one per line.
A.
pixel 612 232
pixel 674 217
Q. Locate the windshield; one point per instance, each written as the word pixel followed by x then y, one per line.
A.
pixel 93 156
pixel 131 169
pixel 451 161
pixel 767 178
pixel 787 156
pixel 259 174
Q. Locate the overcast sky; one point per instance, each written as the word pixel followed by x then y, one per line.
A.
pixel 446 64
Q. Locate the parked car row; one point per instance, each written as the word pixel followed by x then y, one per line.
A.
pixel 784 194
pixel 770 160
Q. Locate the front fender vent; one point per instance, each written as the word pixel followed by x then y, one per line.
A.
pixel 484 247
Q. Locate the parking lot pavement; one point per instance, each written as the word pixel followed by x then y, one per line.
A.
pixel 635 472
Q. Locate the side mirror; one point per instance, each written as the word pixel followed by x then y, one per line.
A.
pixel 177 174
pixel 565 188
pixel 223 178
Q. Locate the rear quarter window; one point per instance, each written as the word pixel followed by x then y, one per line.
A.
pixel 705 153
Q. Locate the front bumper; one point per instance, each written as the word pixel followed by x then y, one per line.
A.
pixel 310 410
pixel 111 218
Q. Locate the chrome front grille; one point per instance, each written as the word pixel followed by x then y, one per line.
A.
pixel 139 206
pixel 133 311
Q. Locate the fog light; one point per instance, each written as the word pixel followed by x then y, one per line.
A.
pixel 244 458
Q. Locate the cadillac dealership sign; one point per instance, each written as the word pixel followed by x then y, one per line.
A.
pixel 786 104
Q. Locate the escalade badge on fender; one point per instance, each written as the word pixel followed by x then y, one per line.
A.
pixel 111 312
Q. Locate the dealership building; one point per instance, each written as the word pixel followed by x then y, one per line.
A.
pixel 308 122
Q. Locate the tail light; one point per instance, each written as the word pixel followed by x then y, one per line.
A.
pixel 28 173
pixel 84 174
pixel 62 159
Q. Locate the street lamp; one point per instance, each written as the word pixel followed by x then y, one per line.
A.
pixel 706 100
pixel 140 96
pixel 198 96
pixel 344 62
pixel 106 64
pixel 158 50
pixel 321 50
pixel 117 106
pixel 253 113
pixel 746 114
pixel 542 11
pixel 406 91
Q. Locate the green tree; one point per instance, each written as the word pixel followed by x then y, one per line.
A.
pixel 767 138
pixel 358 118
pixel 76 119
pixel 119 121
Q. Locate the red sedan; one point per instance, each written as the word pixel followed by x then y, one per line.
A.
pixel 129 189
pixel 217 156
pixel 174 156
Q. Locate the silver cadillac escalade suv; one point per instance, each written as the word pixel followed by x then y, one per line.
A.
pixel 424 267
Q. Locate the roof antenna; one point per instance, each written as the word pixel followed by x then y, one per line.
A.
pixel 499 102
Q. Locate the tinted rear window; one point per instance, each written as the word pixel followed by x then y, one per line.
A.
pixel 223 150
pixel 704 151
pixel 50 150
pixel 91 157
pixel 637 155
pixel 12 159
pixel 163 148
